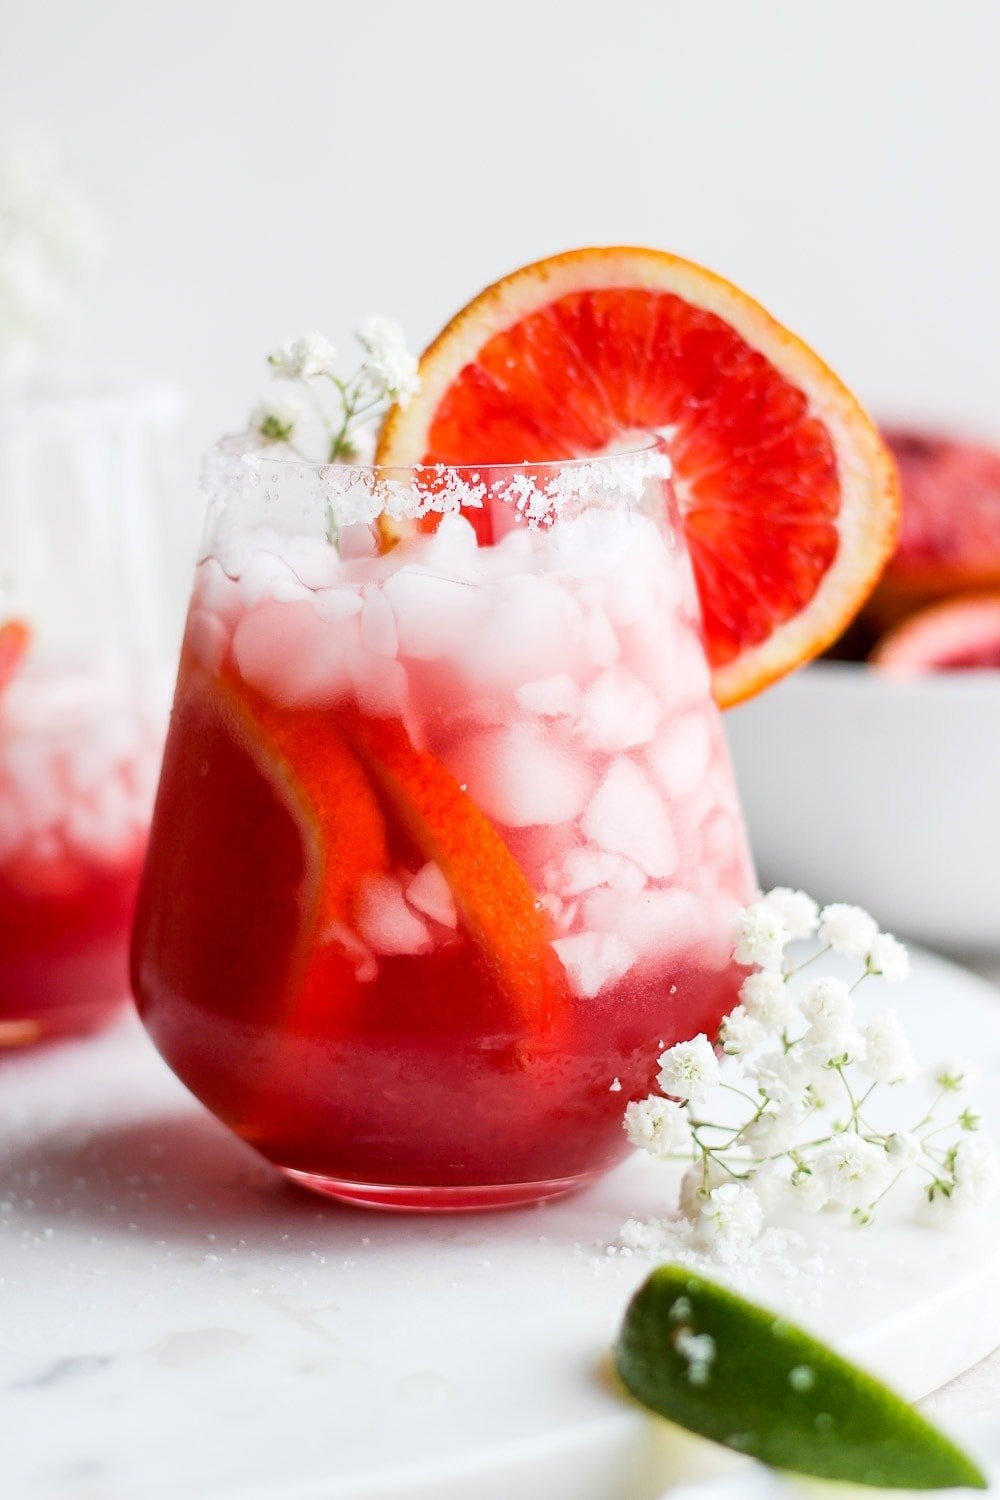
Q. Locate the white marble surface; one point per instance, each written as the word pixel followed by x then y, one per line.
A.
pixel 178 1324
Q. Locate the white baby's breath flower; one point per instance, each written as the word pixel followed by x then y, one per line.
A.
pixel 827 999
pixel 889 958
pixel 389 363
pixel 775 1130
pixel 732 1217
pixel 759 937
pixel 303 357
pixel 825 1087
pixel 798 911
pixel 781 1076
pixel 887 1055
pixel 953 1075
pixel 849 930
pixel 658 1126
pixel 277 415
pixel 903 1148
pixel 696 1184
pixel 853 1171
pixel 739 1032
pixel 689 1069
pixel 971 1118
pixel 977 1174
pixel 767 998
pixel 830 1042
pixel 809 1190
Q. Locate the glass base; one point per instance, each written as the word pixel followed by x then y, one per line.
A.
pixel 438 1200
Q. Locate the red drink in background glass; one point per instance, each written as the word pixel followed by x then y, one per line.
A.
pixel 447 844
pixel 79 749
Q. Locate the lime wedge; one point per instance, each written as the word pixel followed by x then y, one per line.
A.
pixel 731 1371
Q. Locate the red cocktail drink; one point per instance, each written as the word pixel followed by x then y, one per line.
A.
pixel 447 845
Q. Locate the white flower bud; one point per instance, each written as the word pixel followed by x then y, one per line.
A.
pixel 848 930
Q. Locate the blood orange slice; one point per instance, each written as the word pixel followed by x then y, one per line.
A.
pixel 495 901
pixel 323 794
pixel 15 638
pixel 950 537
pixel 788 495
pixel 269 819
pixel 957 635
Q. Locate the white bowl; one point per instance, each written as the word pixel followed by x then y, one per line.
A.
pixel 881 791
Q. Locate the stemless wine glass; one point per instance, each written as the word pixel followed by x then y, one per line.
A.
pixel 447 846
pixel 88 628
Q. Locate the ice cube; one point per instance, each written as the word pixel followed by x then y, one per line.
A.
pixel 599 542
pixel 207 638
pixel 103 828
pixel 312 560
pixel 600 641
pixel 386 922
pixel 452 550
pixel 261 573
pixel 619 712
pixel 294 656
pixel 381 686
pixel 433 612
pixel 532 628
pixel 679 760
pixel 378 624
pixel 430 893
pixel 593 960
pixel 627 816
pixel 584 869
pixel 652 921
pixel 216 592
pixel 337 603
pixel 692 678
pixel 562 913
pixel 649 649
pixel 521 776
pixel 719 840
pixel 550 697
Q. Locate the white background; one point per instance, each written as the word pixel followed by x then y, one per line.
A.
pixel 271 165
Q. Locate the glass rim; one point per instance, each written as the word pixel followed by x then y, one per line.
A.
pixel 243 450
pixel 348 493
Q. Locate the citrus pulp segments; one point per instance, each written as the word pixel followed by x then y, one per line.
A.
pixel 788 495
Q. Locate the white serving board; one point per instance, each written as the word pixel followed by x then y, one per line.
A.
pixel 176 1323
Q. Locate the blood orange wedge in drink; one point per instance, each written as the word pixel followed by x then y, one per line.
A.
pixel 293 825
pixel 494 899
pixel 327 776
pixel 788 496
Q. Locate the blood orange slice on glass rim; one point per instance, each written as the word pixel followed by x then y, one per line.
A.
pixel 788 495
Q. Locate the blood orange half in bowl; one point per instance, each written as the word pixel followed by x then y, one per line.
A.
pixel 881 789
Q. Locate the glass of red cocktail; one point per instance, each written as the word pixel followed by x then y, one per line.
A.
pixel 447 846
pixel 86 621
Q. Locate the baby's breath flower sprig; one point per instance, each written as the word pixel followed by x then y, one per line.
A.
pixel 797 1067
pixel 325 417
